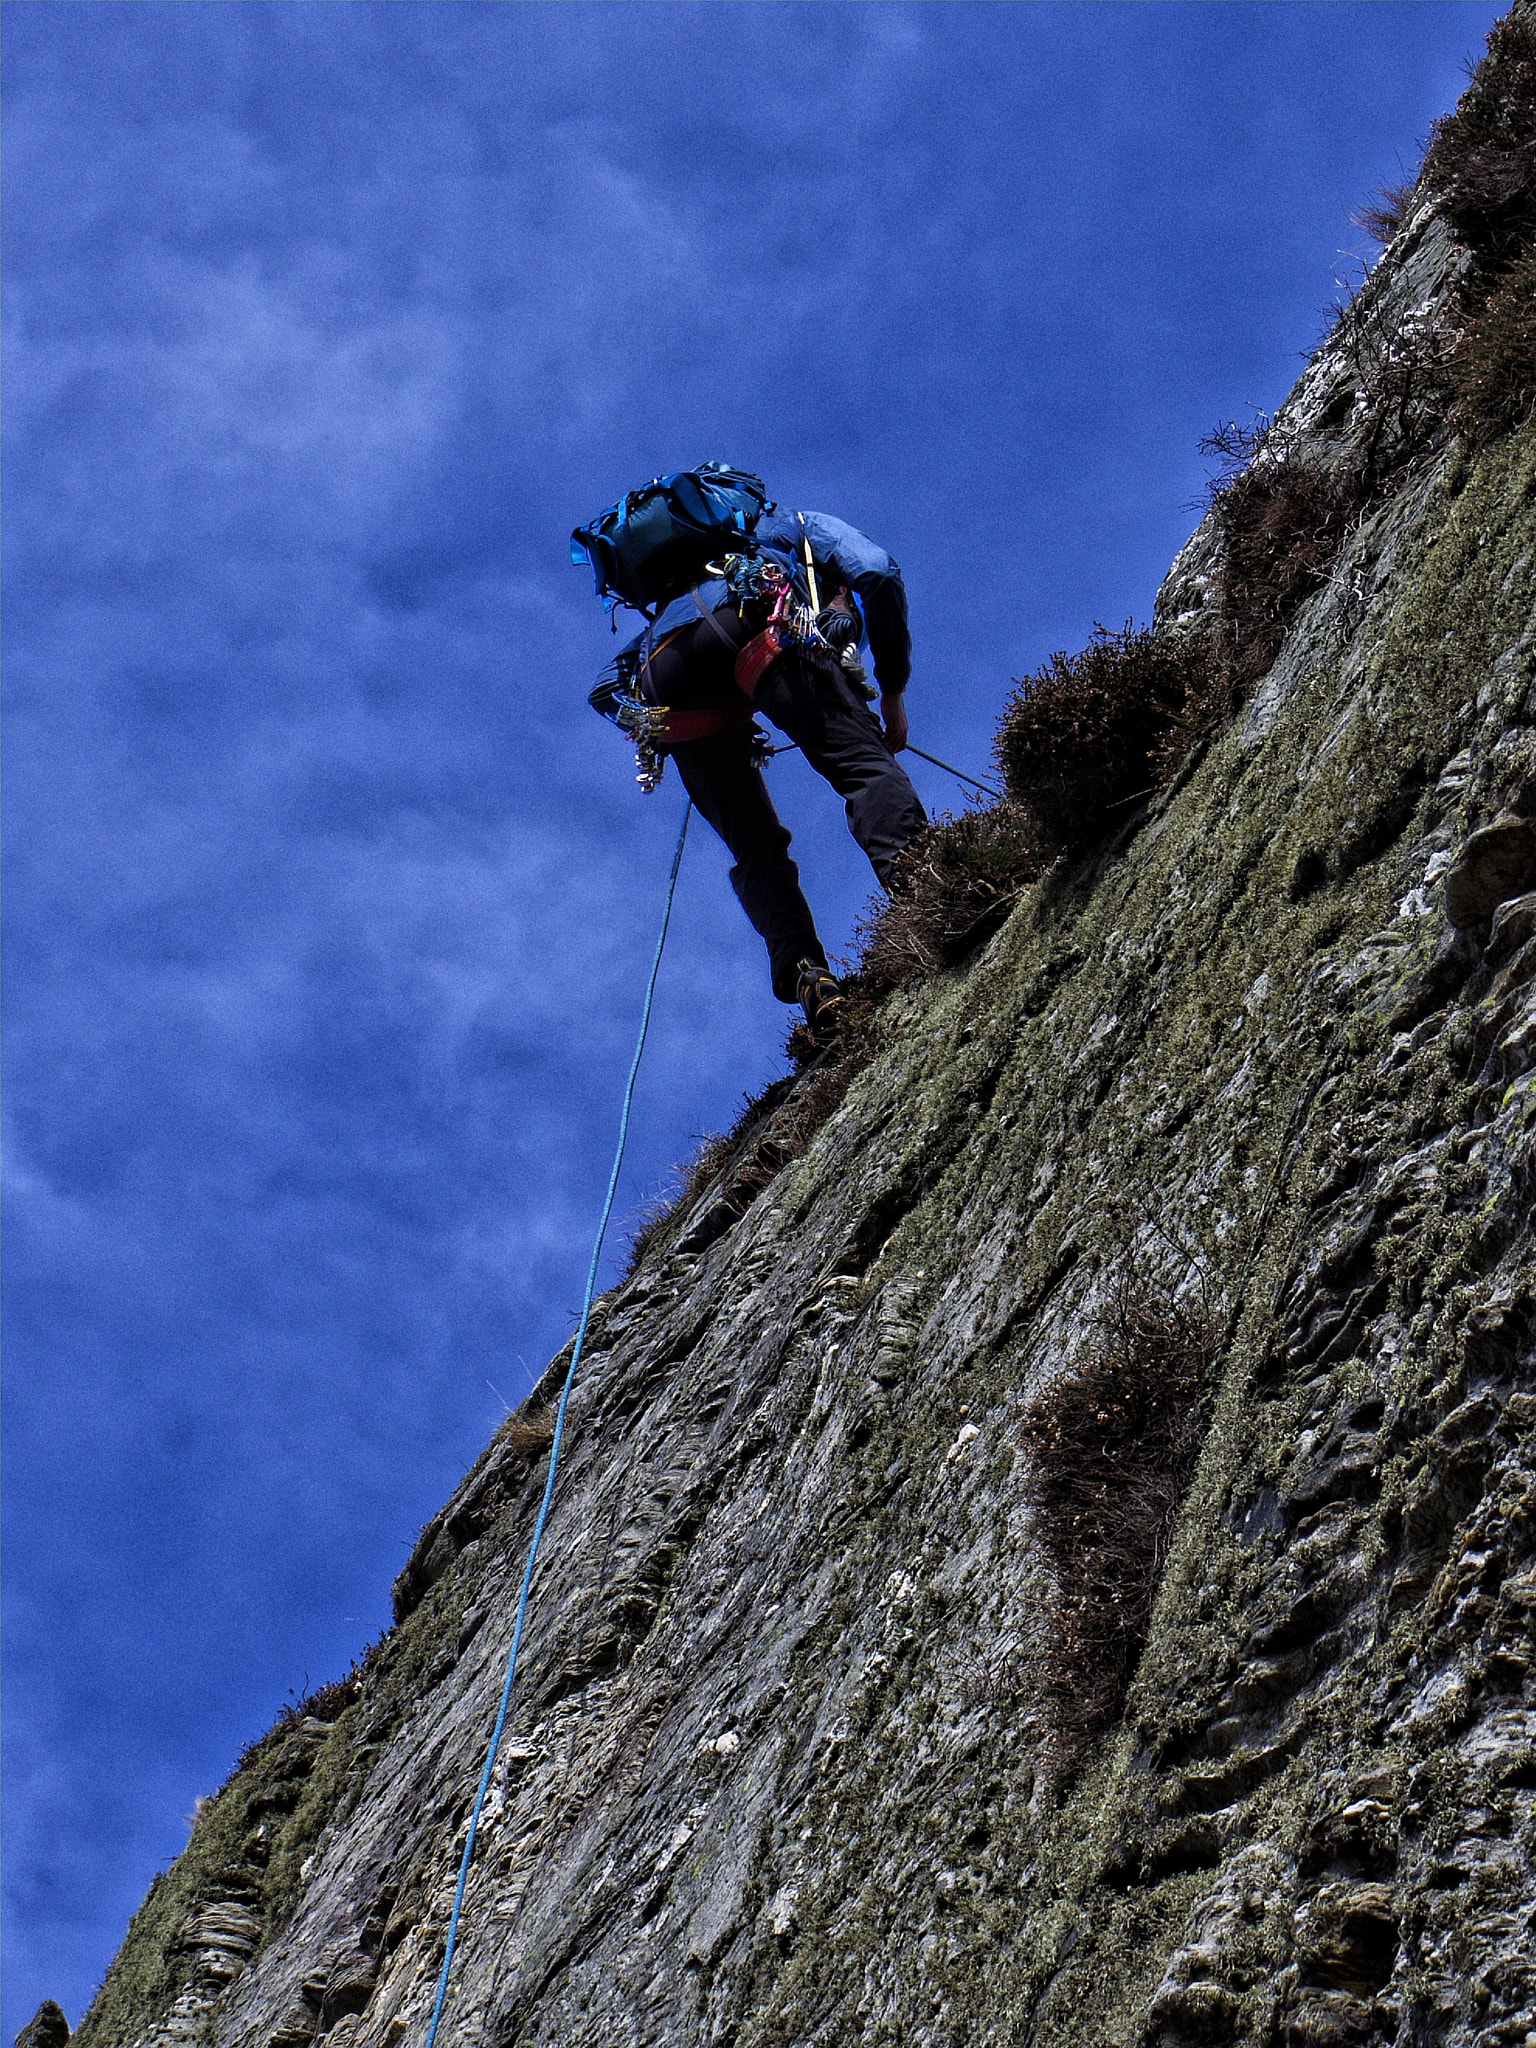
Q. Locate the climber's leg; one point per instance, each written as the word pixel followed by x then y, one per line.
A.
pixel 814 703
pixel 719 775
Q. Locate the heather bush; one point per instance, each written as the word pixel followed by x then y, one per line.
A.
pixel 1481 161
pixel 1111 1450
pixel 1089 733
pixel 954 885
pixel 1279 526
pixel 1281 519
pixel 1494 366
pixel 1481 169
pixel 324 1703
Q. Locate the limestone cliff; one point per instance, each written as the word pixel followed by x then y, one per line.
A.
pixel 779 1769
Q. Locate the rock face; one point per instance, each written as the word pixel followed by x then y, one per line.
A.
pixel 779 1769
pixel 47 2028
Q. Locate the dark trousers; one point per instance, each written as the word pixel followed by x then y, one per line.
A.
pixel 815 706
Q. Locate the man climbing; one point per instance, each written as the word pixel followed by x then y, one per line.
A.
pixel 776 627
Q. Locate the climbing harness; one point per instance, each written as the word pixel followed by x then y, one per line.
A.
pixel 554 1448
pixel 628 694
pixel 654 726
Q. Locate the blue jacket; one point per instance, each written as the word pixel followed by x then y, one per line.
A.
pixel 842 555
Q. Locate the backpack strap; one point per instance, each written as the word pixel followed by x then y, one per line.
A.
pixel 649 650
pixel 710 620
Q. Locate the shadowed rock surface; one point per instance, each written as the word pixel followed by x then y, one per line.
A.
pixel 780 1769
pixel 47 2028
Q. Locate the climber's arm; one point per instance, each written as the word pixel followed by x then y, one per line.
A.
pixel 876 577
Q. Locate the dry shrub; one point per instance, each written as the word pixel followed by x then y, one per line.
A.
pixel 1087 734
pixel 786 1134
pixel 1384 213
pixel 953 886
pixel 1494 366
pixel 1481 161
pixel 325 1703
pixel 1481 169
pixel 1473 362
pixel 711 1151
pixel 1234 444
pixel 1279 526
pixel 528 1434
pixel 1111 1452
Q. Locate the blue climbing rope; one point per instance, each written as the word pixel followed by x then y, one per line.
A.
pixel 554 1448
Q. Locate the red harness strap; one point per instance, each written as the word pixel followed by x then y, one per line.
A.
pixel 754 659
pixel 682 726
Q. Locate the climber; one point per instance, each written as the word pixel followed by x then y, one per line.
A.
pixel 776 628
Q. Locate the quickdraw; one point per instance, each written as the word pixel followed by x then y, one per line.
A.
pixel 654 727
pixel 645 724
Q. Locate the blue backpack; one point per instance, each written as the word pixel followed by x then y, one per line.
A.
pixel 653 545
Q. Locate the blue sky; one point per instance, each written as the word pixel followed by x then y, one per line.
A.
pixel 329 900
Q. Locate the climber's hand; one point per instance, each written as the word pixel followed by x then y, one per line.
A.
pixel 893 716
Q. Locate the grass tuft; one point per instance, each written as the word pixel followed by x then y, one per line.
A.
pixel 712 1150
pixel 1383 214
pixel 723 1156
pixel 325 1703
pixel 528 1434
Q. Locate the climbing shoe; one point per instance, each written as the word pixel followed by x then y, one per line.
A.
pixel 821 999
